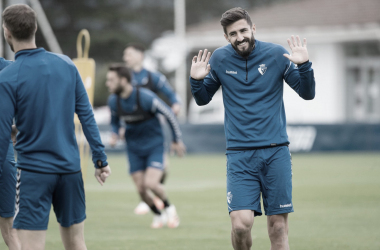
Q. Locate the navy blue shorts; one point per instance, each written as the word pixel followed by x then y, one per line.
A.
pixel 263 171
pixel 139 161
pixel 8 185
pixel 36 192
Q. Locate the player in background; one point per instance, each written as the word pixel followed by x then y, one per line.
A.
pixel 138 108
pixel 258 158
pixel 156 82
pixel 8 190
pixel 42 91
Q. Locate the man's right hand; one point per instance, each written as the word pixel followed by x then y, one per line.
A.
pixel 113 140
pixel 101 174
pixel 199 66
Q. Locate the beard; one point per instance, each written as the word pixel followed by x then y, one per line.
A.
pixel 118 90
pixel 251 45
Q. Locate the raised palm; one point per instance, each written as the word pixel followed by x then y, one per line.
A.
pixel 299 52
pixel 199 66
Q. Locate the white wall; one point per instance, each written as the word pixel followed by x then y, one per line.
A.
pixel 328 105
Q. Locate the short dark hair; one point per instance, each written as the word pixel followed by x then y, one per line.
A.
pixel 136 46
pixel 21 21
pixel 121 71
pixel 234 15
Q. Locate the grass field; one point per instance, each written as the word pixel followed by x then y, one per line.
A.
pixel 336 199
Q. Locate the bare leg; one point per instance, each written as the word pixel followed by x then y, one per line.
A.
pixel 73 237
pixel 32 239
pixel 242 222
pixel 139 178
pixel 9 234
pixel 152 182
pixel 278 229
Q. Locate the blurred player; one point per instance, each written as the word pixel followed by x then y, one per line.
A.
pixel 43 90
pixel 138 108
pixel 156 82
pixel 8 190
pixel 258 158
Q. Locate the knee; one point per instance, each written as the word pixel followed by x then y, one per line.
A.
pixel 277 230
pixel 150 184
pixel 240 231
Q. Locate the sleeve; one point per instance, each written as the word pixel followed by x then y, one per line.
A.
pixel 204 90
pixel 162 85
pixel 115 121
pixel 151 103
pixel 300 79
pixel 7 111
pixel 90 129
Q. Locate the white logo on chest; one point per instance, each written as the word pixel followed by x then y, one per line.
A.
pixel 231 72
pixel 262 69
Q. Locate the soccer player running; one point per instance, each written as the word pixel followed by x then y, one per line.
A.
pixel 258 158
pixel 138 108
pixel 155 81
pixel 43 90
pixel 8 190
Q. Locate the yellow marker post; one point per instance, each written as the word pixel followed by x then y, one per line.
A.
pixel 86 68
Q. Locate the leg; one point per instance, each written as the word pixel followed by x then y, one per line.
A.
pixel 278 229
pixel 32 239
pixel 73 237
pixel 138 178
pixel 242 222
pixel 152 182
pixel 9 234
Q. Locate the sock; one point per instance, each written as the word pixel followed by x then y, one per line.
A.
pixel 166 203
pixel 155 210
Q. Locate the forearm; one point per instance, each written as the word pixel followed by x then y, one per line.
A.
pixel 307 82
pixel 199 92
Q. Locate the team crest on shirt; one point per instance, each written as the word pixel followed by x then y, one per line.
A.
pixel 229 197
pixel 262 69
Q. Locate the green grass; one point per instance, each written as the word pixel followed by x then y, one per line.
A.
pixel 336 199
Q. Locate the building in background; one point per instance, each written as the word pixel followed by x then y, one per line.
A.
pixel 344 45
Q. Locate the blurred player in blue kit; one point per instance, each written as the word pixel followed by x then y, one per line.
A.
pixel 138 108
pixel 8 190
pixel 42 91
pixel 251 73
pixel 133 57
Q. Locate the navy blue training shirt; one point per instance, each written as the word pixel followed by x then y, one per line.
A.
pixel 253 92
pixel 43 90
pixel 146 135
pixel 159 82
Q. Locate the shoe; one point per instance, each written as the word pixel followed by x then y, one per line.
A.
pixel 159 220
pixel 142 208
pixel 173 218
pixel 158 202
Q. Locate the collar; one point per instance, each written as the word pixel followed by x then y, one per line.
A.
pixel 28 52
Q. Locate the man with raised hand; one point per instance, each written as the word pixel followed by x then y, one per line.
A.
pixel 42 91
pixel 258 158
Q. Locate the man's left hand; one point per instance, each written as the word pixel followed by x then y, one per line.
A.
pixel 299 51
pixel 176 108
pixel 179 148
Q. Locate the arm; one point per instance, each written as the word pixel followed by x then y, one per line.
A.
pixel 7 111
pixel 203 80
pixel 156 105
pixel 84 111
pixel 302 79
pixel 162 85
